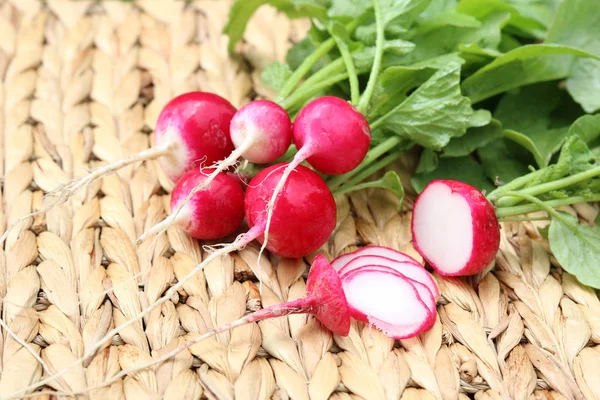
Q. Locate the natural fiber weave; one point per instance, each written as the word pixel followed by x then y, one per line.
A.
pixel 83 83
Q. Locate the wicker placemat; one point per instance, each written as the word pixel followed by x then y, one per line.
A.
pixel 82 85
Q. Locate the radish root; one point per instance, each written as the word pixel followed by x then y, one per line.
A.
pixel 239 243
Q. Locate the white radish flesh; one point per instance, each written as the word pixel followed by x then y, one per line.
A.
pixel 413 271
pixel 388 301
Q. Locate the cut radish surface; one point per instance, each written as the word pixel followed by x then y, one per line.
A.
pixel 424 293
pixel 455 228
pixel 386 252
pixel 409 269
pixel 389 302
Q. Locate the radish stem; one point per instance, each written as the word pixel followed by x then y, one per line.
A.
pixel 352 77
pixel 542 206
pixel 366 96
pixel 300 95
pixel 502 212
pixel 548 186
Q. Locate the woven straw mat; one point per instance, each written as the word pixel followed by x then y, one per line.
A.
pixel 83 83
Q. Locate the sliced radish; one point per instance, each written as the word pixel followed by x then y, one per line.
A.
pixel 388 301
pixel 455 228
pixel 386 252
pixel 411 270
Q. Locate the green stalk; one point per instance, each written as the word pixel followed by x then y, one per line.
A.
pixel 363 104
pixel 542 206
pixel 371 156
pixel 508 219
pixel 333 68
pixel 309 62
pixel 352 76
pixel 300 96
pixel 550 186
pixel 515 184
pixel 384 162
pixel 502 212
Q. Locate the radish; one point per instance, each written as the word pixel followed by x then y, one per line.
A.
pixel 332 136
pixel 381 251
pixel 455 228
pixel 387 300
pixel 261 132
pixel 213 212
pixel 325 300
pixel 303 217
pixel 412 271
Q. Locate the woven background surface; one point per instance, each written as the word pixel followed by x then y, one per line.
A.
pixel 82 85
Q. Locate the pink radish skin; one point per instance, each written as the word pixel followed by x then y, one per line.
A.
pixel 455 228
pixel 336 135
pixel 195 126
pixel 423 291
pixel 262 130
pixel 211 213
pixel 389 302
pixel 304 215
pixel 411 270
pixel 332 136
pixel 386 252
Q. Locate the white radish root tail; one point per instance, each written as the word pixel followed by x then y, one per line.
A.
pixel 239 243
pixel 221 166
pixel 306 151
pixel 65 191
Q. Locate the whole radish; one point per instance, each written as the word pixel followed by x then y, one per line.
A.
pixel 455 228
pixel 192 128
pixel 213 212
pixel 195 128
pixel 303 217
pixel 261 132
pixel 332 136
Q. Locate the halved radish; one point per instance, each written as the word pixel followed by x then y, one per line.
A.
pixel 386 252
pixel 411 270
pixel 455 228
pixel 388 301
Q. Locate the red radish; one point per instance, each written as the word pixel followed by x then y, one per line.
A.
pixel 213 212
pixel 325 299
pixel 455 228
pixel 332 136
pixel 381 251
pixel 413 271
pixel 195 126
pixel 261 131
pixel 387 300
pixel 304 215
pixel 192 128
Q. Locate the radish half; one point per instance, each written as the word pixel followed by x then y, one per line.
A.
pixel 409 269
pixel 455 228
pixel 389 301
pixel 381 251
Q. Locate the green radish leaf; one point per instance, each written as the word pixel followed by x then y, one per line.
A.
pixel 587 128
pixel 499 164
pixel 523 66
pixel 577 248
pixel 463 169
pixel 428 162
pixel 541 144
pixel 577 24
pixel 242 10
pixel 524 24
pixel 474 139
pixel 434 113
pixel 349 8
pixel 275 74
pixel 544 231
